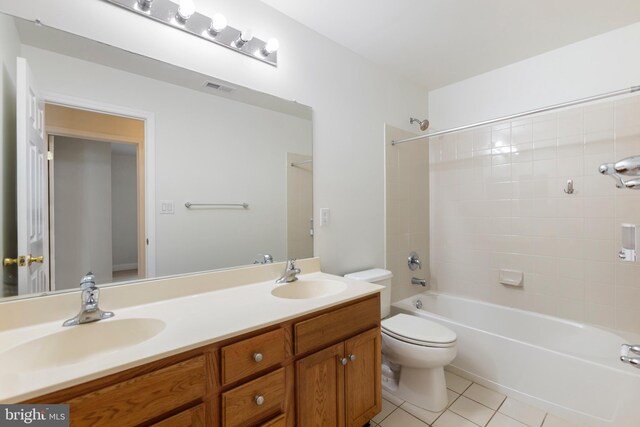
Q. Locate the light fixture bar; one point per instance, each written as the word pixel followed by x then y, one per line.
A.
pixel 166 12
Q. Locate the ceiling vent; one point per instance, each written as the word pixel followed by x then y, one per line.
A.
pixel 217 86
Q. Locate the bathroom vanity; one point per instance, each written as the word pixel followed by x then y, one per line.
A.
pixel 311 360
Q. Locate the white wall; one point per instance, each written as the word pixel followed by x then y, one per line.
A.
pixel 351 98
pixel 9 48
pixel 497 199
pixel 208 149
pixel 82 206
pixel 597 65
pixel 124 209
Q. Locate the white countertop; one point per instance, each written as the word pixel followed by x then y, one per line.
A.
pixel 191 321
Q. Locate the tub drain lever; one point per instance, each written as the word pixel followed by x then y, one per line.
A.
pixel 625 350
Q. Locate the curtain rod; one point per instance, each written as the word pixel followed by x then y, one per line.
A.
pixel 632 89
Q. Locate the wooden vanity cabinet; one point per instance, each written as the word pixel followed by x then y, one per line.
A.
pixel 340 385
pixel 287 375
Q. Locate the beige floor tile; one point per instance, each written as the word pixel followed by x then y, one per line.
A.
pixel 387 409
pixel 422 414
pixel 485 396
pixel 472 411
pixel 451 419
pixel 391 398
pixel 500 420
pixel 553 421
pixel 400 418
pixel 522 412
pixel 456 383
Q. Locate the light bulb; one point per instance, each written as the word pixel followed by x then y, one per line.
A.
pixel 186 9
pixel 272 45
pixel 246 35
pixel 218 23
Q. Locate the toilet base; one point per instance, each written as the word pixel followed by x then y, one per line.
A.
pixel 425 388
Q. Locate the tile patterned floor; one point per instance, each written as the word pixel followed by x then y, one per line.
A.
pixel 470 405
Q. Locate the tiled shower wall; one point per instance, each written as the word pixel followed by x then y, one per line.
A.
pixel 407 210
pixel 497 202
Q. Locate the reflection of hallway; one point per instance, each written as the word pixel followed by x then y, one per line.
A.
pixel 124 275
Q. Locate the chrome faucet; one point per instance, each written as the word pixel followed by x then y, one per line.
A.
pixel 266 259
pixel 290 273
pixel 89 310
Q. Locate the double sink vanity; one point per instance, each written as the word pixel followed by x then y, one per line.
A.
pixel 229 348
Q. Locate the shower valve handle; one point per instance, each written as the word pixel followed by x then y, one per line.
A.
pixel 414 261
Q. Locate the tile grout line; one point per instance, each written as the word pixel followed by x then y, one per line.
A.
pixel 389 414
pixel 544 420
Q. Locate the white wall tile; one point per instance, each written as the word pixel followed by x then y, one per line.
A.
pixel 513 214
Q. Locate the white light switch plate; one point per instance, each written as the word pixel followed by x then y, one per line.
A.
pixel 325 217
pixel 167 207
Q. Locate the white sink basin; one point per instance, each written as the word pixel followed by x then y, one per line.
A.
pixel 77 343
pixel 305 289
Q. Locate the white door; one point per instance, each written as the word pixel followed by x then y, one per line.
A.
pixel 31 152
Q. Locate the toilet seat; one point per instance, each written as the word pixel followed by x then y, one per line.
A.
pixel 418 331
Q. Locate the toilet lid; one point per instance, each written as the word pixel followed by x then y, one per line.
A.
pixel 418 330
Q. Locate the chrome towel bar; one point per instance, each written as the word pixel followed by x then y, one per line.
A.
pixel 242 205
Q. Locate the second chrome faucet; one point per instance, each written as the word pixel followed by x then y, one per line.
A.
pixel 289 273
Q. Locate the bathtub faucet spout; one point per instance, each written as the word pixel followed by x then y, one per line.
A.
pixel 421 282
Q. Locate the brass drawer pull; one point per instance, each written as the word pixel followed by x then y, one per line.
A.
pixel 257 357
pixel 259 400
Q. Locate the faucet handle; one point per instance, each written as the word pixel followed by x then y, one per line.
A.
pixel 291 264
pixel 88 281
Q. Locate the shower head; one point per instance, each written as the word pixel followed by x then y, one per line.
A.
pixel 424 124
pixel 633 184
pixel 609 169
pixel 629 166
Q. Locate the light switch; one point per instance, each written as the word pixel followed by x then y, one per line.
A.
pixel 325 217
pixel 167 207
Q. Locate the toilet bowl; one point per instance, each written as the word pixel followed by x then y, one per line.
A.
pixel 422 349
pixel 419 347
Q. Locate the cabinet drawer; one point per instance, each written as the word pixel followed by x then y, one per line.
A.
pixel 240 406
pixel 193 417
pixel 252 355
pixel 142 398
pixel 276 422
pixel 337 325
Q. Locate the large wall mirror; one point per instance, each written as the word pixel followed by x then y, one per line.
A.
pixel 135 169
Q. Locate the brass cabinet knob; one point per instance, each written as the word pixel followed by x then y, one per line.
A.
pixel 257 357
pixel 259 399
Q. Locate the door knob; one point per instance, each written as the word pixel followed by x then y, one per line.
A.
pixel 32 259
pixel 9 261
pixel 21 261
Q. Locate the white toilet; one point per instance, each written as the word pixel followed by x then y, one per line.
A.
pixel 420 347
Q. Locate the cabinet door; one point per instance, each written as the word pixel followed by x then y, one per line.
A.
pixel 320 388
pixel 363 378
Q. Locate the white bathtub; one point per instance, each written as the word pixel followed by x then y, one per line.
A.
pixel 566 368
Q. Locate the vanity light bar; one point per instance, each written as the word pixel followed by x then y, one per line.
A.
pixel 183 16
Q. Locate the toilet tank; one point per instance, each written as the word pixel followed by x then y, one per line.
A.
pixel 380 277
